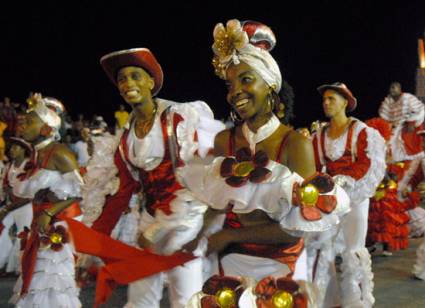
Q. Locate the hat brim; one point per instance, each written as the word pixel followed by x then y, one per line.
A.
pixel 352 101
pixel 139 57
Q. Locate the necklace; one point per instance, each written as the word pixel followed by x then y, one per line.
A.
pixel 145 126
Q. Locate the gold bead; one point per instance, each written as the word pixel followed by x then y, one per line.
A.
pixel 392 184
pixel 56 238
pixel 309 195
pixel 379 194
pixel 283 299
pixel 226 298
pixel 243 168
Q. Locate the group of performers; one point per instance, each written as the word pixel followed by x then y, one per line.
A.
pixel 250 216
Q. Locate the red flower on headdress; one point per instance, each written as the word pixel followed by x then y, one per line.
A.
pixel 308 195
pixel 55 238
pixel 222 291
pixel 281 292
pixel 245 167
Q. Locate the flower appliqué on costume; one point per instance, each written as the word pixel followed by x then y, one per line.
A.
pixel 245 167
pixel 308 195
pixel 227 41
pixel 55 238
pixel 279 293
pixel 222 292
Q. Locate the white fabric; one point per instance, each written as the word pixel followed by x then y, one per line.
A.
pixel 81 149
pixel 53 282
pixel 147 153
pixel 183 282
pixel 364 188
pixel 262 133
pixel 236 264
pixel 5 241
pixel 62 185
pixel 101 177
pixel 406 109
pixel 273 196
pixel 419 267
pixel 416 222
pixel 21 217
pixel 126 230
pixel 356 266
pixel 242 51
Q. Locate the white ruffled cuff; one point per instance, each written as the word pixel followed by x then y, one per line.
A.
pixel 197 117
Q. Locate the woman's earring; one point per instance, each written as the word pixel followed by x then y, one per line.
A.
pixel 280 110
pixel 235 117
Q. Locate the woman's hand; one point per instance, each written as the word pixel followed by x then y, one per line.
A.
pixel 143 242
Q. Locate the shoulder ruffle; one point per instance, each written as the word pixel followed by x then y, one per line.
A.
pixel 101 178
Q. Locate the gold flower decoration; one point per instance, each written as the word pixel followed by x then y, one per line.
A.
pixel 227 41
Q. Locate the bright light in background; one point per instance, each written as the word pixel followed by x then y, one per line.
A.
pixel 421 53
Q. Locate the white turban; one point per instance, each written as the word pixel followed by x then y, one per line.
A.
pixel 231 45
pixel 49 110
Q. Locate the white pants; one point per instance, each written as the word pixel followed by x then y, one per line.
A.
pixel 356 267
pixel 21 217
pixel 235 264
pixel 183 281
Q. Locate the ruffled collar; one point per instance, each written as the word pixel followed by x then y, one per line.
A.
pixel 262 133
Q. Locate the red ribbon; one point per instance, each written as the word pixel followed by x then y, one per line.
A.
pixel 124 264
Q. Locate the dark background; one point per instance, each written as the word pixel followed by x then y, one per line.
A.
pixel 55 49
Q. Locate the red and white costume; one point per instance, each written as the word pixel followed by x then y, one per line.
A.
pixel 356 160
pixel 273 196
pixel 22 217
pixel 172 215
pixel 48 276
pixel 407 113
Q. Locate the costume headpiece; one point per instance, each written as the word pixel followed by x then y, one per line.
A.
pixel 249 42
pixel 140 57
pixel 48 109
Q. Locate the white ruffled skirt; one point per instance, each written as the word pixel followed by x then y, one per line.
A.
pixel 53 282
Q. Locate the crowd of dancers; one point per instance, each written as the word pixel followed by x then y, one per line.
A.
pixel 252 214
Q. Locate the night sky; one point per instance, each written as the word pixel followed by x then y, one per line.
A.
pixel 56 49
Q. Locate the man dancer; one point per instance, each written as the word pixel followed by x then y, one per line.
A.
pixel 161 136
pixel 354 154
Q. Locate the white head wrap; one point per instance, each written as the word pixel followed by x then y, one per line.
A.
pixel 232 45
pixel 49 110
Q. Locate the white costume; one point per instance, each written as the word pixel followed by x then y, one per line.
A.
pixel 174 222
pixel 53 282
pixel 21 216
pixel 356 160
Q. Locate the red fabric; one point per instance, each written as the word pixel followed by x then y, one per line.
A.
pixel 388 221
pixel 345 165
pixel 285 253
pixel 382 126
pixel 412 140
pixel 316 154
pixel 118 203
pixel 160 183
pixel 124 264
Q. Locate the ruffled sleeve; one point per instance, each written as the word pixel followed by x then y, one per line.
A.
pixel 196 133
pixel 362 177
pixel 64 186
pixel 274 196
